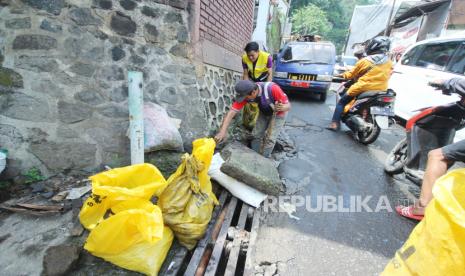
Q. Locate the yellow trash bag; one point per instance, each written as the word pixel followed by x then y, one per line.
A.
pixel 116 185
pixel 436 246
pixel 134 237
pixel 187 202
pixel 250 114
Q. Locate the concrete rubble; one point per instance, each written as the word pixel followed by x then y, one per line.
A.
pixel 60 259
pixel 251 168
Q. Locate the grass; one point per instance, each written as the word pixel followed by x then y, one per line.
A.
pixel 33 175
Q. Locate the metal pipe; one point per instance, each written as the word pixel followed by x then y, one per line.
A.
pixel 136 117
pixel 388 26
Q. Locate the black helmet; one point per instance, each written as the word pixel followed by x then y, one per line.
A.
pixel 378 45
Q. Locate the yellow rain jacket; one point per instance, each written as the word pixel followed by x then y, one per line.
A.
pixel 260 66
pixel 374 80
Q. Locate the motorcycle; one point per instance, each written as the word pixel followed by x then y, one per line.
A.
pixel 432 128
pixel 368 113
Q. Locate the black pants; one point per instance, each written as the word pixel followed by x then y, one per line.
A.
pixel 262 78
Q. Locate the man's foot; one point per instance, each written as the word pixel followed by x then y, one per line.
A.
pixel 333 126
pixel 411 212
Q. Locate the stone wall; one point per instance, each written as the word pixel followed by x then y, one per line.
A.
pixel 63 79
pixel 217 90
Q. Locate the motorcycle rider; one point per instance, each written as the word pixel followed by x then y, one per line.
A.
pixel 369 74
pixel 439 160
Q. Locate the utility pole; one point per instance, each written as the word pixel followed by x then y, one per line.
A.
pixel 386 31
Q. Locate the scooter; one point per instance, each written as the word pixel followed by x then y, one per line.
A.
pixel 432 128
pixel 368 113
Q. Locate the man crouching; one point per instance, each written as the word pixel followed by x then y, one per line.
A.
pixel 273 104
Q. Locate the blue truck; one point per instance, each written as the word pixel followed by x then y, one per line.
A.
pixel 305 67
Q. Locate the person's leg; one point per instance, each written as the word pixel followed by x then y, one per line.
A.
pixel 339 110
pixel 259 131
pixel 438 162
pixel 274 132
pixel 436 167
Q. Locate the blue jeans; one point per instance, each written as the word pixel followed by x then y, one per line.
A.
pixel 340 108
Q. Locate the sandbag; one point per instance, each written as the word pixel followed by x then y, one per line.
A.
pixel 160 133
pixel 111 187
pixel 187 202
pixel 436 245
pixel 134 237
pixel 250 114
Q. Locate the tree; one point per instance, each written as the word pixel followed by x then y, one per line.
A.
pixel 310 20
pixel 337 14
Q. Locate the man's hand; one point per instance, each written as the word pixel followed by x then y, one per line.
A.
pixel 280 106
pixel 438 83
pixel 221 136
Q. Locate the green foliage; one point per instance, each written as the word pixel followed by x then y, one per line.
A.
pixel 333 13
pixel 33 175
pixel 310 20
pixel 4 185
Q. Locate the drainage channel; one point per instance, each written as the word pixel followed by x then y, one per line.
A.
pixel 227 247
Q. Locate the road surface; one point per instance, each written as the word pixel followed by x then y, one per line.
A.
pixel 330 166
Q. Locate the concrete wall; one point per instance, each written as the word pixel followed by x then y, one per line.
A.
pixel 259 34
pixel 220 30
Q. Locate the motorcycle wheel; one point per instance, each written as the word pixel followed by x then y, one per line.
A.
pixel 396 159
pixel 369 136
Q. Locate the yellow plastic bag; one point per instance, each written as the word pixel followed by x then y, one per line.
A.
pixel 114 186
pixel 250 115
pixel 134 238
pixel 436 246
pixel 187 202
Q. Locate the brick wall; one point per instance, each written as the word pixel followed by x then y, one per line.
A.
pixel 227 23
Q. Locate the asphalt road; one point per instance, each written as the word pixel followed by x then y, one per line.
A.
pixel 333 165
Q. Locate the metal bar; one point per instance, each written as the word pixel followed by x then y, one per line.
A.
pixel 174 260
pixel 235 250
pixel 249 268
pixel 136 117
pixel 219 245
pixel 387 31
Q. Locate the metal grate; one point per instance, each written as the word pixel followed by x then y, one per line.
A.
pixel 303 77
pixel 220 253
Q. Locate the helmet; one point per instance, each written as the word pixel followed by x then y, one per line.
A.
pixel 360 53
pixel 378 45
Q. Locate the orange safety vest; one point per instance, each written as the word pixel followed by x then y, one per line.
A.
pixel 260 65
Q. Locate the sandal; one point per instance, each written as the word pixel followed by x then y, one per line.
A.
pixel 333 127
pixel 407 211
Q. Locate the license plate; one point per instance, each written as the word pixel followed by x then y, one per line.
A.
pixel 300 84
pixel 386 111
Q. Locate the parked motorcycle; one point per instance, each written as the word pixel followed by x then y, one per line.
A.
pixel 432 128
pixel 368 113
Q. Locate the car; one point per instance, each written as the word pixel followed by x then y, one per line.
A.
pixel 305 67
pixel 344 63
pixel 425 61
